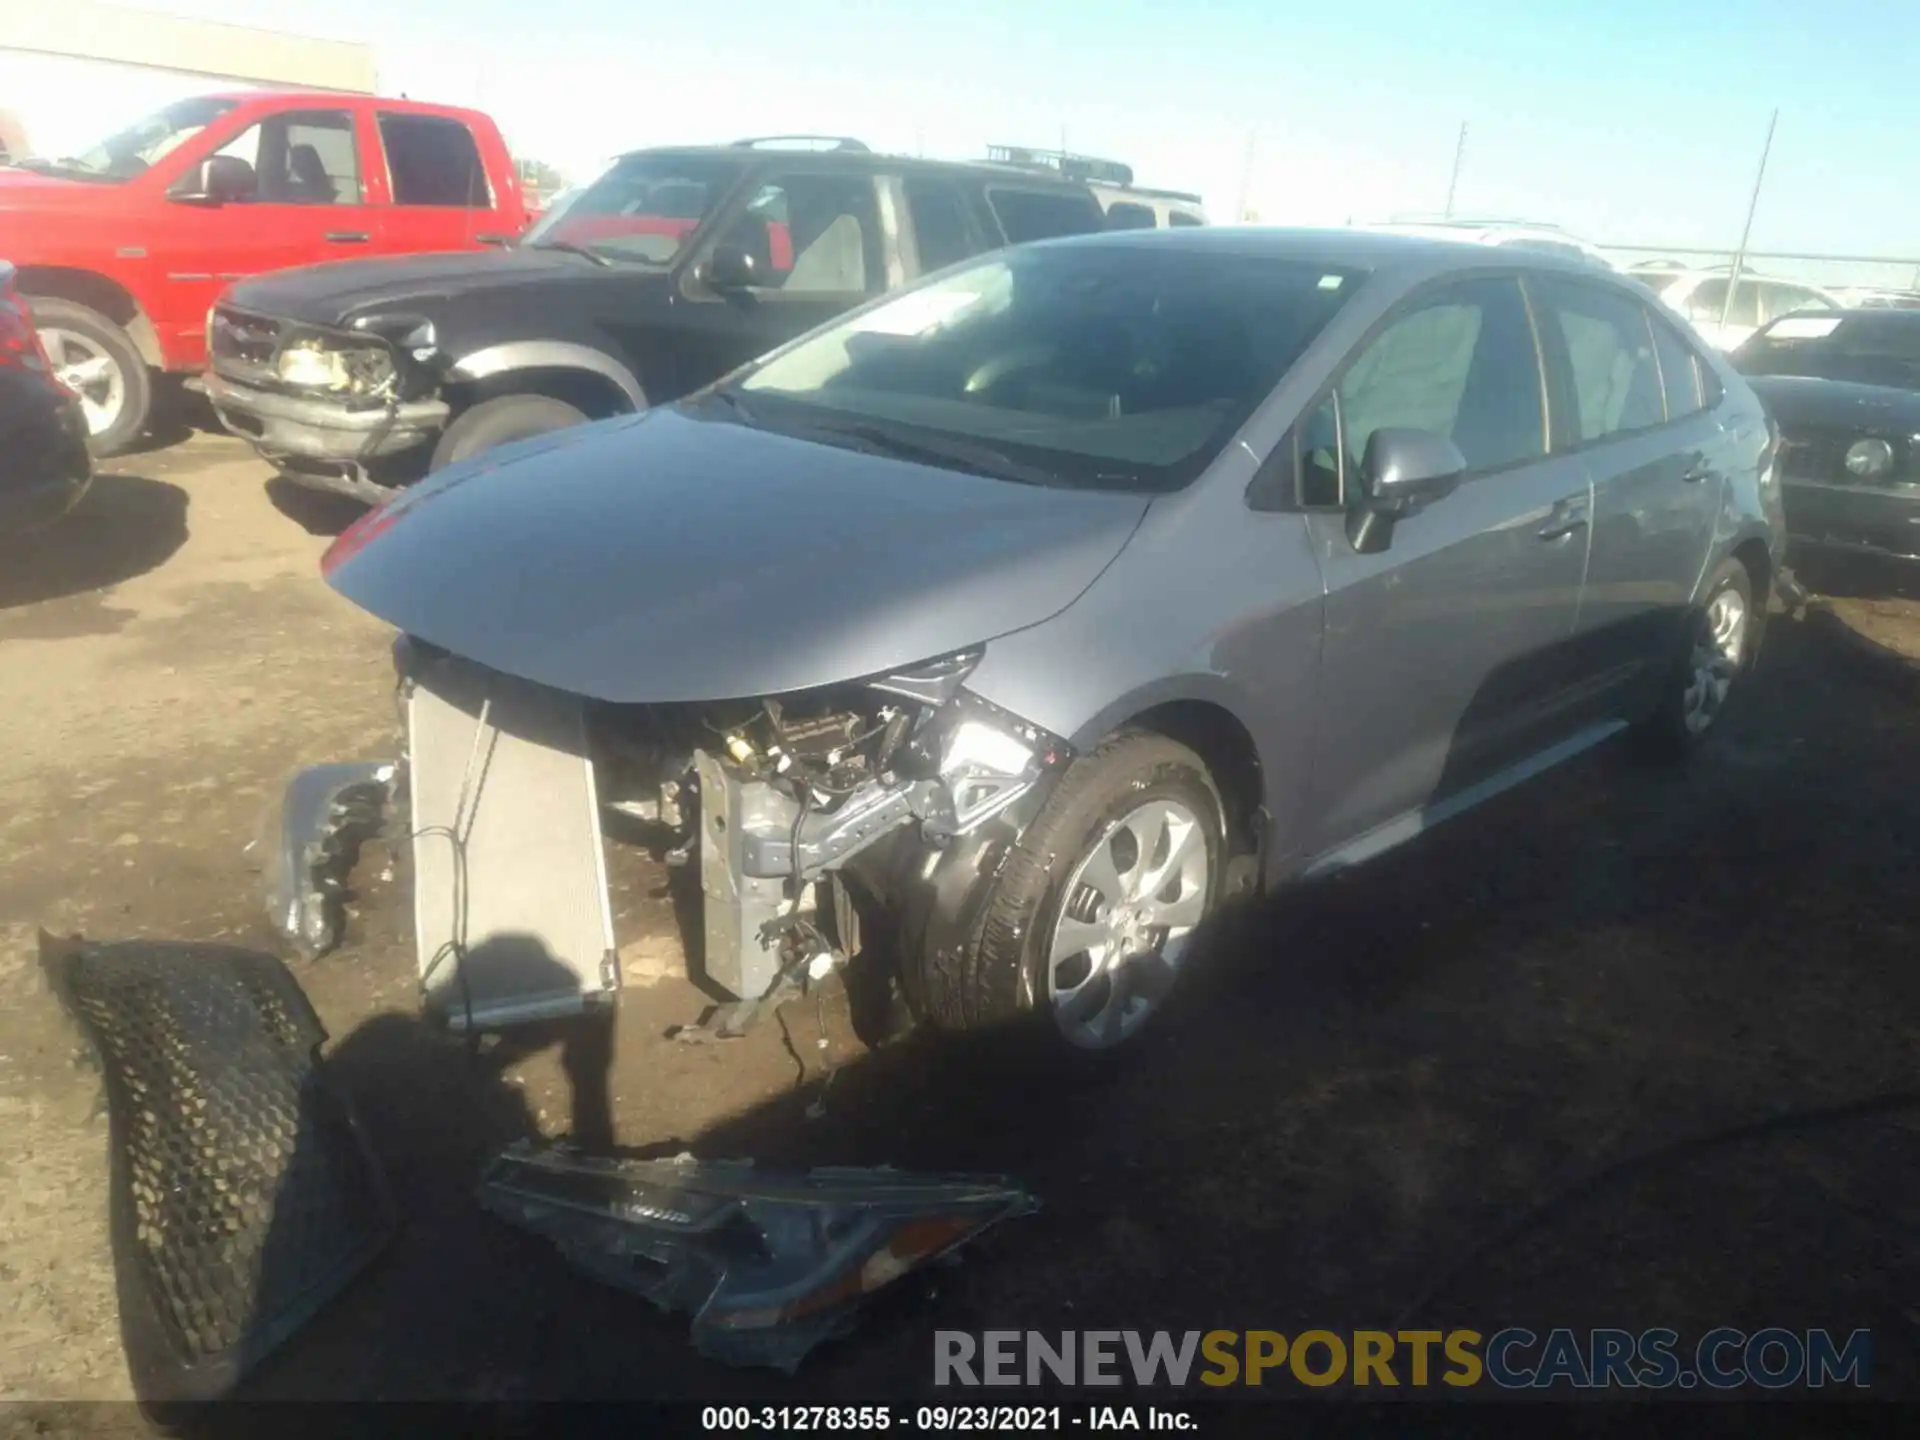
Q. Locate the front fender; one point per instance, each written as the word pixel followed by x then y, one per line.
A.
pixel 550 355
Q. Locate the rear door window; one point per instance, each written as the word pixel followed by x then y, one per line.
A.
pixel 940 226
pixel 433 160
pixel 1026 215
pixel 1130 215
pixel 1679 370
pixel 1606 340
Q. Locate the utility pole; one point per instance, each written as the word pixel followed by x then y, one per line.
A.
pixel 1746 232
pixel 1246 179
pixel 1453 180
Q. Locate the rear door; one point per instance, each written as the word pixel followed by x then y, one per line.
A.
pixel 1443 657
pixel 1631 407
pixel 440 197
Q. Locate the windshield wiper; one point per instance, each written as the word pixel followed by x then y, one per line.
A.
pixel 40 165
pixel 571 249
pixel 950 454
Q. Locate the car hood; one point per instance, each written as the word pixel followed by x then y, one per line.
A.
pixel 1838 404
pixel 671 557
pixel 332 293
pixel 27 190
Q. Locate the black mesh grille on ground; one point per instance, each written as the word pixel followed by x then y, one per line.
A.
pixel 243 1194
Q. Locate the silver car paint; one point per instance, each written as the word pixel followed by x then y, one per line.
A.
pixel 666 558
pixel 1355 701
pixel 1369 685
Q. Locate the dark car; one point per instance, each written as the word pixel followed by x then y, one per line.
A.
pixel 1843 387
pixel 1039 609
pixel 44 466
pixel 671 269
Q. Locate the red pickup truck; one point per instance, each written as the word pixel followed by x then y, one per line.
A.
pixel 122 250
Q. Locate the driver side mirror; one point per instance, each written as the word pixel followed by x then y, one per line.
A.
pixel 216 180
pixel 1402 471
pixel 730 268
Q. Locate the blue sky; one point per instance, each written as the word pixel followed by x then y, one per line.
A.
pixel 1632 121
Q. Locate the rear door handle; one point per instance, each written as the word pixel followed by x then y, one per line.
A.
pixel 348 237
pixel 1697 471
pixel 494 239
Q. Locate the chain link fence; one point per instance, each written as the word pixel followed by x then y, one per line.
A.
pixel 1849 278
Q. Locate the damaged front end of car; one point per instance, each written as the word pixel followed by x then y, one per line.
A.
pixel 797 813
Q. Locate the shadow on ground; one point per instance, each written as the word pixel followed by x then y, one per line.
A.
pixel 1858 577
pixel 314 511
pixel 1359 1083
pixel 125 526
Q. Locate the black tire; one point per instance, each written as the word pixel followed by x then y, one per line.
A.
pixel 500 422
pixel 1000 981
pixel 1667 733
pixel 136 380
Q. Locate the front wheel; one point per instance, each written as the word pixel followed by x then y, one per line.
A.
pixel 501 421
pixel 1096 909
pixel 1720 646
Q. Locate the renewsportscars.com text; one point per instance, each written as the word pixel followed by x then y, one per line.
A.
pixel 1509 1359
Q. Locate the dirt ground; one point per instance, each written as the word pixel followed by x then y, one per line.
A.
pixel 1363 1080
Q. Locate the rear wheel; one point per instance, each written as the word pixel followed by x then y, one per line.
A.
pixel 501 421
pixel 1721 643
pixel 98 361
pixel 1094 912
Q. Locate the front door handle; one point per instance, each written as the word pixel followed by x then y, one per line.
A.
pixel 494 239
pixel 348 237
pixel 1569 517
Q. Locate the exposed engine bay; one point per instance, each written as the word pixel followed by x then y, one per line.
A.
pixel 786 807
pixel 790 794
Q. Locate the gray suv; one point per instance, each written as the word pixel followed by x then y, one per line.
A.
pixel 996 633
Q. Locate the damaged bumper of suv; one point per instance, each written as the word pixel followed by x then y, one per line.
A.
pixel 795 811
pixel 322 403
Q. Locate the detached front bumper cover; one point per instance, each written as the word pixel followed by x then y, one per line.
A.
pixel 769 1264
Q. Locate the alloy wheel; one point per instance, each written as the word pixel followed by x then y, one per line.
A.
pixel 85 367
pixel 1717 653
pixel 1127 913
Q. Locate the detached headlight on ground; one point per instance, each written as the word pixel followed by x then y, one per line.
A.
pixel 350 369
pixel 1869 458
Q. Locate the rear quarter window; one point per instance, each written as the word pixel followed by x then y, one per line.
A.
pixel 1026 215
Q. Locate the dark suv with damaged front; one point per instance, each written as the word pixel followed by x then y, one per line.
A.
pixel 671 269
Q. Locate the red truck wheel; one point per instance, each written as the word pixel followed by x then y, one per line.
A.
pixel 94 357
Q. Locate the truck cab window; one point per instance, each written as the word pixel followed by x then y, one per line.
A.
pixel 433 161
pixel 303 157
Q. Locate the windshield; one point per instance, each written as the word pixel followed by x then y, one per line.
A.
pixel 126 153
pixel 1881 348
pixel 1108 366
pixel 641 210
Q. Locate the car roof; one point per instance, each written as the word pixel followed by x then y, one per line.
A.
pixel 329 98
pixel 875 160
pixel 1378 251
